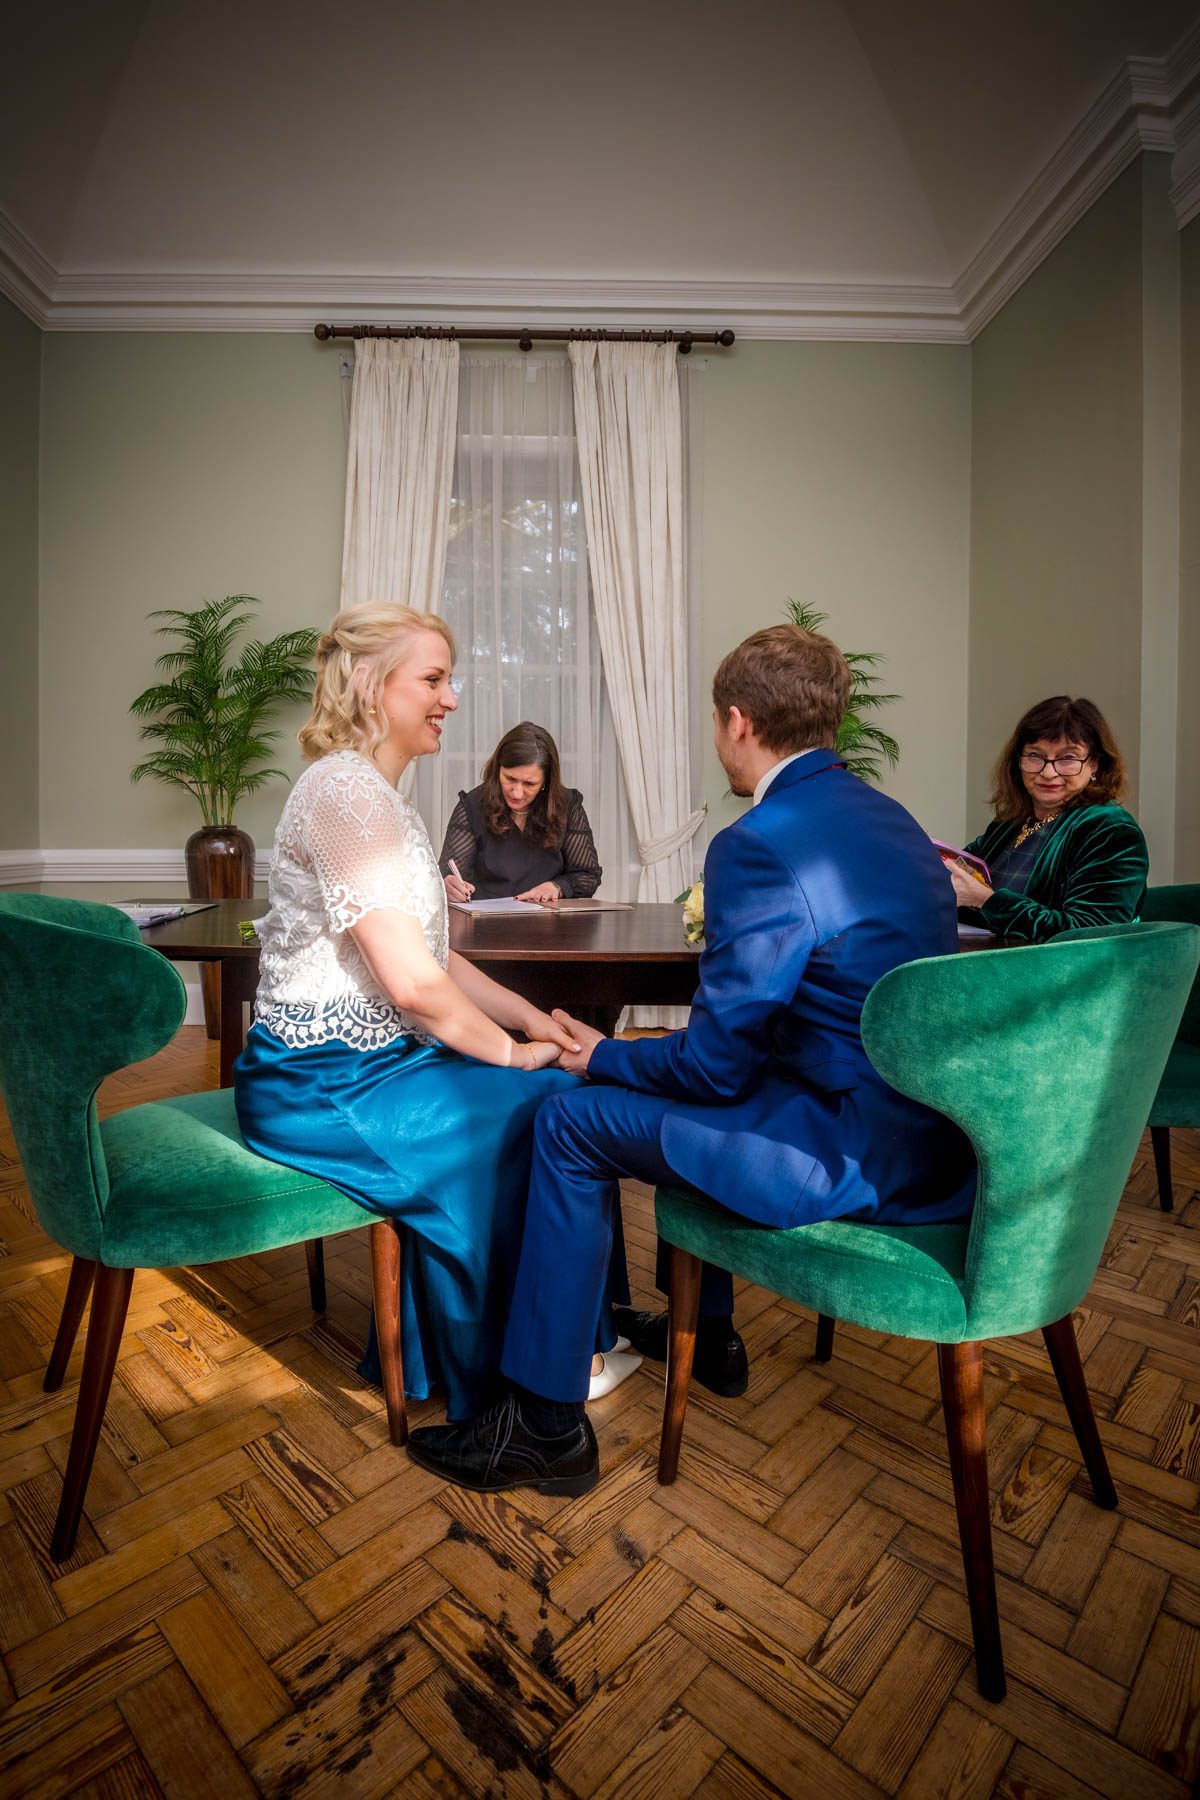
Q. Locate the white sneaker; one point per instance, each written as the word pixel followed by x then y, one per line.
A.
pixel 615 1367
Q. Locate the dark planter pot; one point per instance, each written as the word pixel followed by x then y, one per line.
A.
pixel 220 866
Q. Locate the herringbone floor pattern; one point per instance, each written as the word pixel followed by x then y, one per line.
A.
pixel 267 1598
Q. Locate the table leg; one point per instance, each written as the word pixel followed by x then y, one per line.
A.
pixel 233 993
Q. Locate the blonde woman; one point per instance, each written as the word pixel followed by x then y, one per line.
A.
pixel 378 1059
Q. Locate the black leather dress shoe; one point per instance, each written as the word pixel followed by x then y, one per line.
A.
pixel 719 1363
pixel 496 1449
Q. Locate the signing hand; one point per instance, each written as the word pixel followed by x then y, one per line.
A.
pixel 576 1062
pixel 457 888
pixel 967 891
pixel 545 893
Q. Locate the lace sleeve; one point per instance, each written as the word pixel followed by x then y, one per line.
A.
pixel 581 866
pixel 364 853
pixel 459 843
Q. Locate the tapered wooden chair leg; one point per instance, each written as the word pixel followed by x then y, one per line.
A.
pixel 385 1285
pixel 314 1251
pixel 824 1349
pixel 79 1286
pixel 1068 1372
pixel 110 1303
pixel 684 1304
pixel 960 1367
pixel 1160 1140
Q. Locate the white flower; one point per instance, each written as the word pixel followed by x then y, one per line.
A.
pixel 693 911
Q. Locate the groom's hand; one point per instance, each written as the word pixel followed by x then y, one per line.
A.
pixel 575 1062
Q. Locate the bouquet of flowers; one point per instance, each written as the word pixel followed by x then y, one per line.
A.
pixel 693 911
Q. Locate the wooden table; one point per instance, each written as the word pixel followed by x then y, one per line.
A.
pixel 605 960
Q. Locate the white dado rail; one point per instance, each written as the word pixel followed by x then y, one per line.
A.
pixel 23 868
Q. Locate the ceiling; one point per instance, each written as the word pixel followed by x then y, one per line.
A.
pixel 789 167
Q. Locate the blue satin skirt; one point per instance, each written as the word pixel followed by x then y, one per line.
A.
pixel 428 1137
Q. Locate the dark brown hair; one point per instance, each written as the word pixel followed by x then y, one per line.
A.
pixel 793 685
pixel 1079 722
pixel 521 748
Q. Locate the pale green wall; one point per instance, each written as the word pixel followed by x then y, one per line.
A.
pixel 838 474
pixel 1056 488
pixel 176 467
pixel 20 376
pixel 1187 840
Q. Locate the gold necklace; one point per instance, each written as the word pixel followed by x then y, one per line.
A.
pixel 1032 826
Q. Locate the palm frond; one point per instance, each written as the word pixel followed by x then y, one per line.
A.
pixel 863 746
pixel 207 717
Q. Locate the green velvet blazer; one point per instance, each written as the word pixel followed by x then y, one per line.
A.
pixel 1092 872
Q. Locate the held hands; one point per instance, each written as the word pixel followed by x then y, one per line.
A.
pixel 575 1061
pixel 536 1056
pixel 968 891
pixel 545 894
pixel 548 1039
pixel 457 888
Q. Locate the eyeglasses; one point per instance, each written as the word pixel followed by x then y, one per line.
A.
pixel 1033 762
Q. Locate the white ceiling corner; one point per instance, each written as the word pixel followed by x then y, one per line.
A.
pixel 1150 103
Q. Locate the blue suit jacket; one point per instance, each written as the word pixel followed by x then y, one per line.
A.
pixel 810 897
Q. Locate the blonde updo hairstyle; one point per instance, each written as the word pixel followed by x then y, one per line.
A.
pixel 354 659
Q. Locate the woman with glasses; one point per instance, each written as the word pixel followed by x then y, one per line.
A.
pixel 1062 852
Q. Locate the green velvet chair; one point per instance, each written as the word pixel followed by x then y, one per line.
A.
pixel 1048 1057
pixel 1178 1099
pixel 157 1186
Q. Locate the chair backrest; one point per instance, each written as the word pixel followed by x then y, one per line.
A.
pixel 80 996
pixel 1181 904
pixel 1048 1057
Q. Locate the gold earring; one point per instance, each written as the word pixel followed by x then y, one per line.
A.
pixel 371 710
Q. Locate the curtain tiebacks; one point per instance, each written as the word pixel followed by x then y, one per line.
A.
pixel 654 849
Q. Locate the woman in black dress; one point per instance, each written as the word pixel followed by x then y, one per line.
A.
pixel 520 834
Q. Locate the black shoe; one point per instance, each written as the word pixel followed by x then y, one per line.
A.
pixel 496 1449
pixel 719 1363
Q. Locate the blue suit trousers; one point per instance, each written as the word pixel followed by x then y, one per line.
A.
pixel 584 1143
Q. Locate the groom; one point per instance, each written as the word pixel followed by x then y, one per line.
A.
pixel 767 1100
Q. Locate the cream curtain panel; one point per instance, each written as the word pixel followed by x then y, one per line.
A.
pixel 517 596
pixel 398 471
pixel 628 425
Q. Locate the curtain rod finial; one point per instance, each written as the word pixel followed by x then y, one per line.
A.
pixel 322 333
pixel 725 338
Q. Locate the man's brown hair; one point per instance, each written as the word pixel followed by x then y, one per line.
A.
pixel 793 686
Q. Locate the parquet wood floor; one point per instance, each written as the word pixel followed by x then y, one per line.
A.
pixel 268 1599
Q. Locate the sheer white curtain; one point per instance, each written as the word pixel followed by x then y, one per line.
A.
pixel 517 595
pixel 629 424
pixel 398 469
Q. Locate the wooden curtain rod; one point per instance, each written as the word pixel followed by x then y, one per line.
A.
pixel 525 339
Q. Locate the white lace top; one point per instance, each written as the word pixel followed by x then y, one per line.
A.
pixel 347 844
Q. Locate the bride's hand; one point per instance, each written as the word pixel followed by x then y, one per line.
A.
pixel 540 1027
pixel 539 1055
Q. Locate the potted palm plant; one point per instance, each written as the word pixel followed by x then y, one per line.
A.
pixel 207 717
pixel 863 745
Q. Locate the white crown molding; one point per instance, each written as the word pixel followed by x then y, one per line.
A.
pixel 19 868
pixel 755 309
pixel 1148 105
pixel 27 278
pixel 1151 104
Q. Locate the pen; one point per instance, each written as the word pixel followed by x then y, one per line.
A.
pixel 454 870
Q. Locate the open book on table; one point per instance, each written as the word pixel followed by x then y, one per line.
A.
pixel 494 907
pixel 157 912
